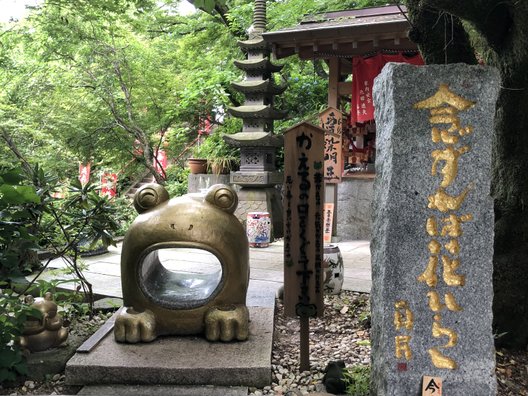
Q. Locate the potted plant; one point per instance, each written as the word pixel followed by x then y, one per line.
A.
pixel 198 159
pixel 222 157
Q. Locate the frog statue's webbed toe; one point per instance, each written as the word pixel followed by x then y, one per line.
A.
pixel 227 323
pixel 132 326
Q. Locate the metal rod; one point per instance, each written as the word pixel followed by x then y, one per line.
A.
pixel 305 344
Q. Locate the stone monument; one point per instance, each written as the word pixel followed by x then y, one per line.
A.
pixel 432 241
pixel 258 176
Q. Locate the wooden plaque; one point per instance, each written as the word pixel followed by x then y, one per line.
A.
pixel 303 215
pixel 331 120
pixel 328 217
pixel 431 386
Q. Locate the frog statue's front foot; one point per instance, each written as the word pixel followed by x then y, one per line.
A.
pixel 227 323
pixel 132 326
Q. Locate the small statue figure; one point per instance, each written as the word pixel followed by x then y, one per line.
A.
pixel 46 332
pixel 159 301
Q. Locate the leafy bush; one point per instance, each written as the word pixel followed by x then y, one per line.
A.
pixel 124 213
pixel 177 180
pixel 357 380
pixel 14 315
pixel 17 240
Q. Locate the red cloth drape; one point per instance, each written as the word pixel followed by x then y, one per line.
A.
pixel 364 71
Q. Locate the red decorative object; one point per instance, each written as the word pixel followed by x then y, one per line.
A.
pixel 161 162
pixel 84 173
pixel 204 126
pixel 364 71
pixel 109 184
pixel 402 366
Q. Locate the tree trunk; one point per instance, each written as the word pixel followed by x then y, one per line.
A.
pixel 500 28
pixel 510 188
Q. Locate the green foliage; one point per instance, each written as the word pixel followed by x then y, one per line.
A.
pixel 71 304
pixel 17 198
pixel 12 319
pixel 123 213
pixel 177 180
pixel 357 380
pixel 218 152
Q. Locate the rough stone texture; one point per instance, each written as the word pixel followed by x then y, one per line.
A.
pixel 400 242
pixel 52 361
pixel 180 360
pixel 354 209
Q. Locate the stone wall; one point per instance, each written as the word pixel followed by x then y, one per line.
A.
pixel 354 198
pixel 203 181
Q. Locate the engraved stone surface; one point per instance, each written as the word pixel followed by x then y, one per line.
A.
pixel 432 241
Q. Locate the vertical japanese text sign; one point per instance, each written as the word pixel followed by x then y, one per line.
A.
pixel 331 120
pixel 84 173
pixel 303 214
pixel 431 296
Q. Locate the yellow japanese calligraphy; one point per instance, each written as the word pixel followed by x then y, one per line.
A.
pixel 450 157
pixel 453 227
pixel 453 247
pixel 403 319
pixel 444 96
pixel 449 276
pixel 403 349
pixel 436 306
pixel 429 275
pixel 441 361
pixel 444 202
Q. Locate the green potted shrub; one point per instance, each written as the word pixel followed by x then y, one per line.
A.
pixel 222 158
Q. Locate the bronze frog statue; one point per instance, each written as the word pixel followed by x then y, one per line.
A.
pixel 46 332
pixel 162 301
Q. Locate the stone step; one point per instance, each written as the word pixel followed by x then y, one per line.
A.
pixel 162 390
pixel 188 361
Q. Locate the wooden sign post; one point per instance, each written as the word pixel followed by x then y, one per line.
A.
pixel 331 120
pixel 303 231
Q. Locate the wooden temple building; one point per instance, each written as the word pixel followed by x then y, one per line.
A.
pixel 344 39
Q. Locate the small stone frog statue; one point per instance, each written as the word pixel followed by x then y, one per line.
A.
pixel 46 332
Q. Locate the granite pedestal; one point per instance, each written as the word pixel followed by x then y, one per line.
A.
pixel 180 360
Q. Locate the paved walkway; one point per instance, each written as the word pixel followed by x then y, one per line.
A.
pixel 266 268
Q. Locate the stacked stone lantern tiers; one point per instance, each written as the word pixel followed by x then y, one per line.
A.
pixel 258 144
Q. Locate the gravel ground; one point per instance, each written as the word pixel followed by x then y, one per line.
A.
pixel 343 334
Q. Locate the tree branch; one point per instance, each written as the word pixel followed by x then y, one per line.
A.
pixel 440 36
pixel 14 149
pixel 492 18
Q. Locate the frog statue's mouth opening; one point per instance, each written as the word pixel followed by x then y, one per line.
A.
pixel 180 278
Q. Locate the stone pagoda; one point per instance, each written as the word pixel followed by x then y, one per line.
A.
pixel 258 176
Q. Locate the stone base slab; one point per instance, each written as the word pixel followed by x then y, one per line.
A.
pixel 180 360
pixel 162 390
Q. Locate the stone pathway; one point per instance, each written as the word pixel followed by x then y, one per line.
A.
pixel 266 264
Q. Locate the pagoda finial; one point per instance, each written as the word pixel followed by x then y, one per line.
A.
pixel 259 16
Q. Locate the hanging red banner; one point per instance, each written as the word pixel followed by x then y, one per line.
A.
pixel 161 162
pixel 109 184
pixel 84 173
pixel 364 71
pixel 204 126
